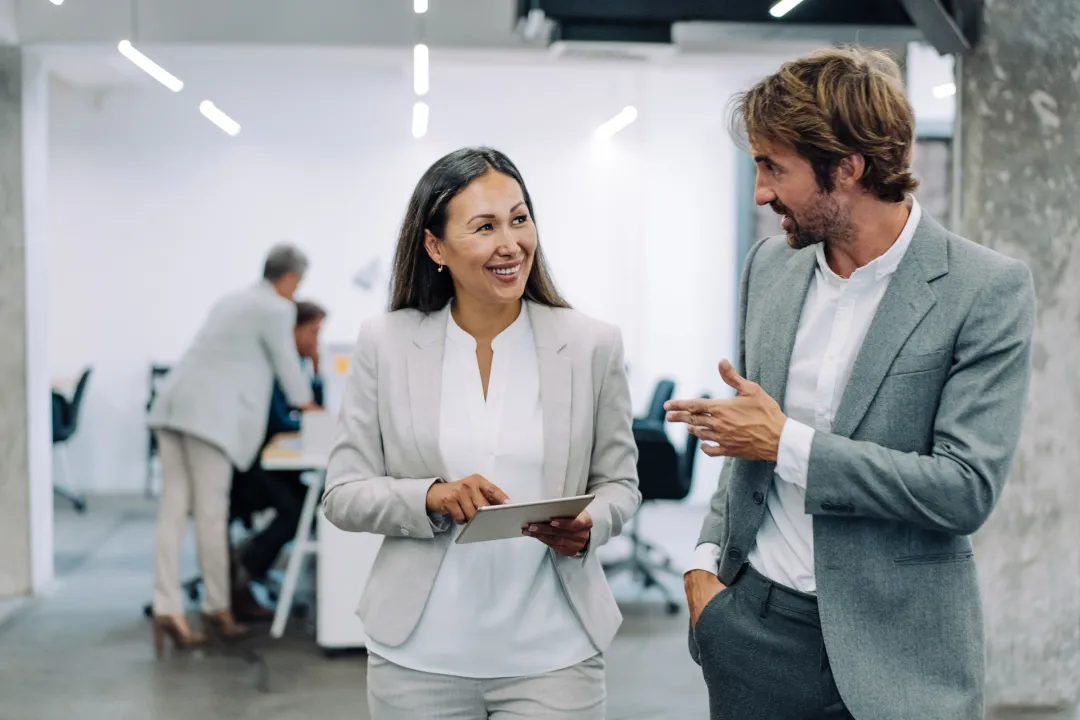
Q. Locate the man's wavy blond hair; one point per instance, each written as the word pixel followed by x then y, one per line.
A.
pixel 830 105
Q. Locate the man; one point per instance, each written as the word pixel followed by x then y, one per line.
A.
pixel 209 417
pixel 834 576
pixel 259 489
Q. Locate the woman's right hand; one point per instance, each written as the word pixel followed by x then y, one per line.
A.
pixel 461 499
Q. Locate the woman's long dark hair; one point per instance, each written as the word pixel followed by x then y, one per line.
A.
pixel 417 284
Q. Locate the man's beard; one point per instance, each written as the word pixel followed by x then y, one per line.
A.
pixel 824 221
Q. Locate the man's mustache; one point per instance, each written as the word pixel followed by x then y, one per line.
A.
pixel 779 208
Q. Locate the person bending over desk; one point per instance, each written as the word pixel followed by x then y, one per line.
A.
pixel 259 489
pixel 211 416
pixel 481 385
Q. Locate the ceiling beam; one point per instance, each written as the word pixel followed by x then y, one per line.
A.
pixel 940 27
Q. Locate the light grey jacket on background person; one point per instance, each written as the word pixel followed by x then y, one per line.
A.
pixel 917 458
pixel 387 456
pixel 220 390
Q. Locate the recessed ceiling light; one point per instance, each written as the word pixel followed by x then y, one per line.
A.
pixel 421 76
pixel 783 7
pixel 150 67
pixel 626 116
pixel 420 114
pixel 944 91
pixel 223 121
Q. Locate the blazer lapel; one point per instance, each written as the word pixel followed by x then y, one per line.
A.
pixel 781 323
pixel 555 393
pixel 904 305
pixel 425 361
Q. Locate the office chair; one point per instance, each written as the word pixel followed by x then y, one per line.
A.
pixel 65 421
pixel 663 474
pixel 157 372
pixel 664 391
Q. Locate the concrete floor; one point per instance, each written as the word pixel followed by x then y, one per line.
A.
pixel 83 649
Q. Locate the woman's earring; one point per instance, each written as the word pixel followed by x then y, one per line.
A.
pixel 440 268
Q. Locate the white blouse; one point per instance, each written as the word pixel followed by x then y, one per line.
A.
pixel 497 609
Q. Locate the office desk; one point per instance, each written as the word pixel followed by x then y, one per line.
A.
pixel 284 453
pixel 344 559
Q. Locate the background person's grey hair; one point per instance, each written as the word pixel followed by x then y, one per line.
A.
pixel 282 260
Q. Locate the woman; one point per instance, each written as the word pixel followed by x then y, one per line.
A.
pixel 210 416
pixel 480 386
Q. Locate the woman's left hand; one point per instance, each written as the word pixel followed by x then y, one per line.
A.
pixel 566 536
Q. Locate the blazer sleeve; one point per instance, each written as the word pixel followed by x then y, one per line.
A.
pixel 714 528
pixel 613 464
pixel 976 429
pixel 359 495
pixel 280 342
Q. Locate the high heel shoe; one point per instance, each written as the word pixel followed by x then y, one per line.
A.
pixel 224 625
pixel 176 628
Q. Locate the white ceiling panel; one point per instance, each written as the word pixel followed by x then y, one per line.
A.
pixel 465 23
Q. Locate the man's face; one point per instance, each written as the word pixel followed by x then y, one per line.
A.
pixel 786 182
pixel 307 338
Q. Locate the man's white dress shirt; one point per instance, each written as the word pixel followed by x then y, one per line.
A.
pixel 497 609
pixel 834 321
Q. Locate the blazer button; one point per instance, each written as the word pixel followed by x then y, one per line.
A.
pixel 405 532
pixel 734 554
pixel 759 498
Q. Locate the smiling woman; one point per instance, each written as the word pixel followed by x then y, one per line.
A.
pixel 482 386
pixel 470 213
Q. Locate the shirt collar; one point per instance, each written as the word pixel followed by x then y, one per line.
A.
pixel 516 330
pixel 885 264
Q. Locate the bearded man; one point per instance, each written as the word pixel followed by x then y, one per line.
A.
pixel 881 380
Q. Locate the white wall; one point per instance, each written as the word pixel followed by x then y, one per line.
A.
pixel 155 213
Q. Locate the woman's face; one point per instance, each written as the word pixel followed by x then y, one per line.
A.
pixel 489 241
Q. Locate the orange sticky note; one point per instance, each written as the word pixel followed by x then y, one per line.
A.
pixel 341 363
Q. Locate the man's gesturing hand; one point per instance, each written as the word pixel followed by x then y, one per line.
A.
pixel 566 536
pixel 747 426
pixel 461 499
pixel 701 587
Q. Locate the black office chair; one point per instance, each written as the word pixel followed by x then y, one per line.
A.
pixel 665 390
pixel 65 422
pixel 157 372
pixel 663 474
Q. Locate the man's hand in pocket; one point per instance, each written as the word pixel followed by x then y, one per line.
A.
pixel 701 587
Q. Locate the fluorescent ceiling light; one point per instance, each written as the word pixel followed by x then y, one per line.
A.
pixel 150 67
pixel 421 77
pixel 944 91
pixel 626 116
pixel 219 118
pixel 418 6
pixel 783 7
pixel 419 119
pixel 57 2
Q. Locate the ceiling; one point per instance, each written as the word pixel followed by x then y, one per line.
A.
pixel 80 36
pixel 465 23
pixel 947 24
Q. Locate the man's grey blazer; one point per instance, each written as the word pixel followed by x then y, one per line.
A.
pixel 220 390
pixel 387 455
pixel 916 460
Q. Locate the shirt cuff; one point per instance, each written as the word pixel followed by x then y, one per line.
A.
pixel 793 455
pixel 707 558
pixel 440 522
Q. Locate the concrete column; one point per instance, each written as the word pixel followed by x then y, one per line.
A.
pixel 1020 194
pixel 26 504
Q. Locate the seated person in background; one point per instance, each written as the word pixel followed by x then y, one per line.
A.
pixel 259 489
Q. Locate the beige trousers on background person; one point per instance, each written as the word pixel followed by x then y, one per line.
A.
pixel 195 481
pixel 575 693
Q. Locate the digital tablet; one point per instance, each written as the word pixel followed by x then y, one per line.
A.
pixel 501 522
